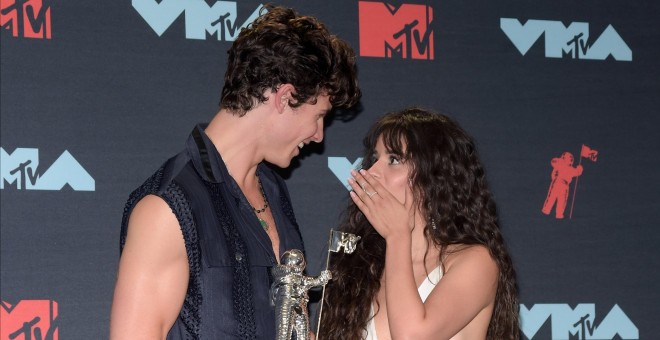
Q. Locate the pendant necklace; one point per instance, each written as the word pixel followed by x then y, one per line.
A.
pixel 263 222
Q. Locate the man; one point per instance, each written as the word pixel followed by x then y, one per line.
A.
pixel 198 238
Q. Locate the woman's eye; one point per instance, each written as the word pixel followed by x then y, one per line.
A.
pixel 394 160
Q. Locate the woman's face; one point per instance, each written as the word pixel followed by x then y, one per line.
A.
pixel 391 171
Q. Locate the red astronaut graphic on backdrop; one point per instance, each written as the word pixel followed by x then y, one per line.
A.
pixel 562 174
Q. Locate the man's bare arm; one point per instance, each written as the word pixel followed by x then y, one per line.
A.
pixel 153 274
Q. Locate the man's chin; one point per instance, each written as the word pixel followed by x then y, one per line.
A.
pixel 282 163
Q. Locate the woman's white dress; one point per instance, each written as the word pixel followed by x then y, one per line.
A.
pixel 424 290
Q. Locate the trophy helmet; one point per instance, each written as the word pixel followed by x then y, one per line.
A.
pixel 293 258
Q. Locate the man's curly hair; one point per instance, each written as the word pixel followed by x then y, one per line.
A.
pixel 283 47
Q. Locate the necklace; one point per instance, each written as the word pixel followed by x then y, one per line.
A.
pixel 263 222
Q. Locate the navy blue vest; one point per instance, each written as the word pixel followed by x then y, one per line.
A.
pixel 229 254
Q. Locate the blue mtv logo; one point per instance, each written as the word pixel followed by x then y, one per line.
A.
pixel 219 19
pixel 21 169
pixel 341 167
pixel 577 323
pixel 571 40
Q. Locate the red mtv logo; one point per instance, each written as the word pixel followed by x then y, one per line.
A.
pixel 402 31
pixel 29 320
pixel 26 18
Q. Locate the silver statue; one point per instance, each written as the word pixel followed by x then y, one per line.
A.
pixel 288 294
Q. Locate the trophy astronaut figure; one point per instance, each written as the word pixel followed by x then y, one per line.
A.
pixel 288 294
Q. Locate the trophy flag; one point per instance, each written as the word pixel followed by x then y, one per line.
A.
pixel 340 240
pixel 337 241
pixel 588 152
pixel 591 154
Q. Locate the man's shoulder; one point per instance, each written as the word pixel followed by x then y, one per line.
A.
pixel 170 171
pixel 163 189
pixel 160 182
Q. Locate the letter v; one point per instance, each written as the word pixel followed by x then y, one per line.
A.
pixel 341 167
pixel 160 16
pixel 522 36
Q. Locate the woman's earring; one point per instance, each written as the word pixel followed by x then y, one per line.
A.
pixel 433 224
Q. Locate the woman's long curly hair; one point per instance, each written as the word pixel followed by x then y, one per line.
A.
pixel 449 186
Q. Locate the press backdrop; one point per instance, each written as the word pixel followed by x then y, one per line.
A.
pixel 95 95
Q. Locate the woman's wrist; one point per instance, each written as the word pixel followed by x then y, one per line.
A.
pixel 401 237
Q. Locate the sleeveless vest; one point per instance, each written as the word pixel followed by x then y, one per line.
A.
pixel 220 299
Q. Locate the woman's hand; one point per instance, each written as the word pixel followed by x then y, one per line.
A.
pixel 389 216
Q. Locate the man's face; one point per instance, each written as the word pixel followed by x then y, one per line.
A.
pixel 297 127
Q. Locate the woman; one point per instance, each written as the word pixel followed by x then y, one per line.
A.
pixel 431 263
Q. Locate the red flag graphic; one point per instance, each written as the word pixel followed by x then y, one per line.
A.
pixel 588 152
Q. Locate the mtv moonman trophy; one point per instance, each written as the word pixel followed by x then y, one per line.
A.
pixel 288 292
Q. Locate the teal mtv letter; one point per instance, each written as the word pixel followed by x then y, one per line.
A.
pixel 341 167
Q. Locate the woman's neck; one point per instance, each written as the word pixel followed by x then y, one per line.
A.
pixel 422 249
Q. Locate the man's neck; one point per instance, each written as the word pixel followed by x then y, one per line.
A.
pixel 238 141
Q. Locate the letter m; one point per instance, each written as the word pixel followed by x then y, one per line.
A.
pixel 219 20
pixel 523 36
pixel 563 318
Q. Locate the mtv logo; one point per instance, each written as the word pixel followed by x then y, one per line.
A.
pixel 26 18
pixel 561 41
pixel 21 168
pixel 402 31
pixel 29 319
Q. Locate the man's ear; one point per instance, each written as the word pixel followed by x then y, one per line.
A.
pixel 283 96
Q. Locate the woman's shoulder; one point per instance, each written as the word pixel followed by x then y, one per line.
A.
pixel 472 268
pixel 477 257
